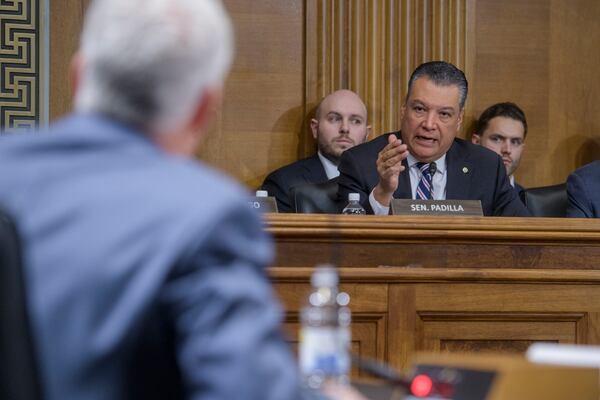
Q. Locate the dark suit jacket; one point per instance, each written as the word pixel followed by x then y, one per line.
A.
pixel 474 173
pixel 583 190
pixel 281 182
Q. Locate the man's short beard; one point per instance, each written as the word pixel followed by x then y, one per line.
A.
pixel 329 153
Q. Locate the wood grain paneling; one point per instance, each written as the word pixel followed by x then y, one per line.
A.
pixel 66 21
pixel 260 123
pixel 436 242
pixel 542 54
pixel 450 299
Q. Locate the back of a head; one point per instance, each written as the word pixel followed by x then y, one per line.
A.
pixel 148 62
pixel 442 74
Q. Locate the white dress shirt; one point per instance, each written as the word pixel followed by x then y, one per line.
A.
pixel 331 169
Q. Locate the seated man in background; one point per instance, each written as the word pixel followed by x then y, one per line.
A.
pixel 583 191
pixel 425 160
pixel 143 284
pixel 502 128
pixel 340 123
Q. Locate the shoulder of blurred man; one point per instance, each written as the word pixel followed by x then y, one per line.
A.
pixel 119 213
pixel 281 182
pixel 583 191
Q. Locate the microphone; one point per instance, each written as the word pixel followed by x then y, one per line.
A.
pixel 432 168
pixel 380 370
pixel 421 385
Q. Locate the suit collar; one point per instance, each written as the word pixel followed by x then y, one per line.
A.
pixel 313 170
pixel 330 168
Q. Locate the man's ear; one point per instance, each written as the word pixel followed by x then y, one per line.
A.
pixel 369 130
pixel 475 138
pixel 205 111
pixel 314 128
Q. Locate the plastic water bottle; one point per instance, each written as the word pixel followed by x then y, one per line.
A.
pixel 325 334
pixel 354 206
pixel 262 193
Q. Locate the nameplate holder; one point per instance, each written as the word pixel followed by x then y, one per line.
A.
pixel 436 207
pixel 263 204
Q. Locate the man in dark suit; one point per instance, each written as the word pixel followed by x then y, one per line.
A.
pixel 502 128
pixel 426 153
pixel 583 190
pixel 340 123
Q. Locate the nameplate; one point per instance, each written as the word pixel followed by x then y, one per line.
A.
pixel 436 207
pixel 263 204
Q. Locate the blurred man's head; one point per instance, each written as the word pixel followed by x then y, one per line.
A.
pixel 502 128
pixel 153 63
pixel 433 110
pixel 340 123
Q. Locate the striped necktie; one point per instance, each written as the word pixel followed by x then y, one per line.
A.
pixel 425 187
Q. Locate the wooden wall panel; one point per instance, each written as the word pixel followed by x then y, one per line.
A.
pixel 542 54
pixel 261 117
pixel 66 21
pixel 574 89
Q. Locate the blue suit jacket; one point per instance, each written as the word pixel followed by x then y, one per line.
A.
pixel 281 182
pixel 474 173
pixel 583 191
pixel 144 271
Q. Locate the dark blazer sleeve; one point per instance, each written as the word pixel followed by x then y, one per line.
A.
pixel 352 180
pixel 358 171
pixel 276 186
pixel 579 200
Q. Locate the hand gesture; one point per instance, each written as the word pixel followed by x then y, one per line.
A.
pixel 389 167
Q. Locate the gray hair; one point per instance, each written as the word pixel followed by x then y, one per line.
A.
pixel 149 62
pixel 442 74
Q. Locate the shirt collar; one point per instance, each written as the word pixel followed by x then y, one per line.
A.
pixel 330 168
pixel 512 180
pixel 440 163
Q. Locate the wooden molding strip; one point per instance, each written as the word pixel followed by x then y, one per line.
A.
pixel 395 274
pixel 452 229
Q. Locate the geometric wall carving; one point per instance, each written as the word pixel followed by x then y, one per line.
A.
pixel 20 64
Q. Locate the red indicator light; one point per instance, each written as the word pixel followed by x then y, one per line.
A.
pixel 421 386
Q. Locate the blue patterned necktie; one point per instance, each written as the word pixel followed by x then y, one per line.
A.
pixel 425 187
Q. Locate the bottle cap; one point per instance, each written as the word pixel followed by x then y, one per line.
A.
pixel 262 193
pixel 353 196
pixel 325 275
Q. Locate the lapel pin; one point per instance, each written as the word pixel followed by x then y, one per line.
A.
pixel 465 170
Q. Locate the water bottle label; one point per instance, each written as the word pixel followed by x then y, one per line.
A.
pixel 324 351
